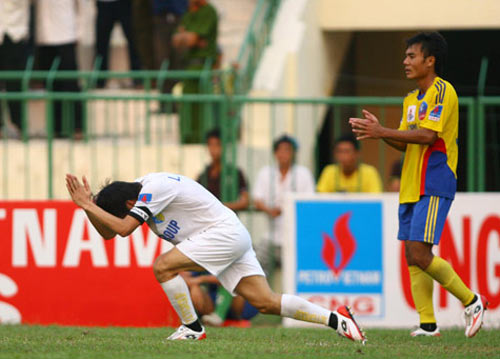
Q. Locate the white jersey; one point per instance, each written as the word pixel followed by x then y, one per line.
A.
pixel 176 207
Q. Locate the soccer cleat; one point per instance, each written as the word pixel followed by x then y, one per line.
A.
pixel 425 333
pixel 347 326
pixel 184 333
pixel 212 320
pixel 474 314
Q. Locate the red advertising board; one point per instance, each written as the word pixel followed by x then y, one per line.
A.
pixel 56 269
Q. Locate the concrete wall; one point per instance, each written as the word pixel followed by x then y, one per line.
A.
pixel 301 61
pixel 352 15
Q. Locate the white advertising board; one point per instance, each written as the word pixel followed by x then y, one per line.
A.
pixel 343 249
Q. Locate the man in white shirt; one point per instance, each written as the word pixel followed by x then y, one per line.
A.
pixel 206 236
pixel 14 32
pixel 56 37
pixel 273 182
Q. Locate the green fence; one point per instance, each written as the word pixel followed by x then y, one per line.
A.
pixel 125 137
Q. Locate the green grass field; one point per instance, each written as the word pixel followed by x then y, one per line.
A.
pixel 259 342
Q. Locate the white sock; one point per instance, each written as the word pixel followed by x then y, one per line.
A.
pixel 300 309
pixel 178 293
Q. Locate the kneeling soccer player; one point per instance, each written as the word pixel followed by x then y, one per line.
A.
pixel 207 236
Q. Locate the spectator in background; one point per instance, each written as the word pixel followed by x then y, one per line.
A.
pixel 204 289
pixel 167 15
pixel 348 174
pixel 110 12
pixel 211 179
pixel 395 177
pixel 56 38
pixel 270 187
pixel 196 41
pixel 142 29
pixel 14 32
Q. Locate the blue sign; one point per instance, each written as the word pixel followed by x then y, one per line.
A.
pixel 339 247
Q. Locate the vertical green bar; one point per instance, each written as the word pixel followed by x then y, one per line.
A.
pixel 49 113
pixel 114 136
pixel 336 121
pixel 225 134
pixel 481 154
pixel 381 149
pixel 251 175
pixel 471 146
pixel 316 146
pixel 147 130
pixel 5 162
pixel 137 142
pixel 92 143
pixel 224 105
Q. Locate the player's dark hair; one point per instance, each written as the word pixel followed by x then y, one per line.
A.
pixel 213 133
pixel 285 139
pixel 347 138
pixel 432 44
pixel 113 197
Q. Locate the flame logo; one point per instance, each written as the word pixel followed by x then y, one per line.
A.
pixel 342 245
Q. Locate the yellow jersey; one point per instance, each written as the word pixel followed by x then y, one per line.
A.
pixel 364 179
pixel 431 169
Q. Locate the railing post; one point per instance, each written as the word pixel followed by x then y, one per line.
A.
pixel 49 114
pixel 471 145
pixel 24 105
pixel 481 160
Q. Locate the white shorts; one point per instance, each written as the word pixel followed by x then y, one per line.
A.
pixel 225 250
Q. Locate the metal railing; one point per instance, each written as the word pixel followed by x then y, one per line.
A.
pixel 125 137
pixel 256 39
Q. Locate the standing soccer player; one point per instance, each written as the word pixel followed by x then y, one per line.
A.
pixel 207 236
pixel 428 135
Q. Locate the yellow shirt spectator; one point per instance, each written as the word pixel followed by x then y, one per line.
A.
pixel 364 179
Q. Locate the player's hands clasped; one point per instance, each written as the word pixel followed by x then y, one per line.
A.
pixel 80 194
pixel 365 128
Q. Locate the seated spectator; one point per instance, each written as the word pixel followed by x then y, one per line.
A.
pixel 395 176
pixel 204 289
pixel 349 174
pixel 211 177
pixel 270 187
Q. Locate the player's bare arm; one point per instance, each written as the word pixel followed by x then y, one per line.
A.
pixel 106 224
pixel 370 128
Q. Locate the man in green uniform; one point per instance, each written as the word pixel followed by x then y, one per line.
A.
pixel 196 37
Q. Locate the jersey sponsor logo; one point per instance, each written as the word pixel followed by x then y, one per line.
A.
pixel 159 218
pixel 422 110
pixel 171 230
pixel 145 197
pixel 410 117
pixel 435 114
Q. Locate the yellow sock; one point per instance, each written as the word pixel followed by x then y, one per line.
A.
pixel 441 270
pixel 421 291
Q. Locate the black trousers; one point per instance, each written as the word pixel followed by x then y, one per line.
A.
pixel 67 114
pixel 108 13
pixel 165 26
pixel 13 56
